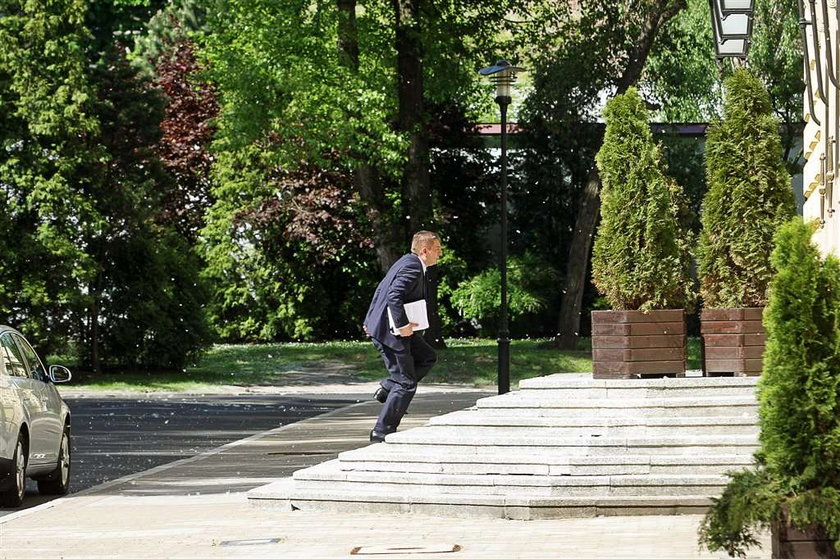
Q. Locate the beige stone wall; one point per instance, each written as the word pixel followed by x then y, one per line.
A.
pixel 820 181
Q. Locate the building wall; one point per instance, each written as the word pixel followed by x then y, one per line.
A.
pixel 819 187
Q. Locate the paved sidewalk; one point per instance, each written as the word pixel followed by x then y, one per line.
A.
pixel 197 508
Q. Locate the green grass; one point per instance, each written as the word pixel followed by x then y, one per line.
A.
pixel 464 361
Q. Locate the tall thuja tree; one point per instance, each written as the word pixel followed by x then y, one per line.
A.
pixel 640 259
pixel 45 138
pixel 749 197
pixel 797 476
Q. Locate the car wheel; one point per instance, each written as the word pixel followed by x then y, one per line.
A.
pixel 58 482
pixel 13 495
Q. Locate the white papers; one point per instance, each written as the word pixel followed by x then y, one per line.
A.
pixel 416 312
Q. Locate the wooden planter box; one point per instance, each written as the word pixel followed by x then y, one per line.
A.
pixel 733 341
pixel 789 542
pixel 634 344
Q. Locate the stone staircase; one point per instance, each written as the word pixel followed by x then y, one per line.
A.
pixel 558 447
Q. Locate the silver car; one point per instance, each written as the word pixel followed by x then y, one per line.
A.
pixel 34 422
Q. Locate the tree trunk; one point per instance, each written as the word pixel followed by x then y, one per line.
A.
pixel 369 183
pixel 568 327
pixel 372 192
pixel 416 191
pixel 93 327
pixel 348 35
pixel 568 324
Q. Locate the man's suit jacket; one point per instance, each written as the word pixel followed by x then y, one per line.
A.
pixel 403 284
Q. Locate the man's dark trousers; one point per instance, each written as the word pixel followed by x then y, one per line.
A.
pixel 407 364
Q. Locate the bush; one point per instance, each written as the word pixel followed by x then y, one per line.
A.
pixel 749 197
pixel 530 280
pixel 640 259
pixel 797 477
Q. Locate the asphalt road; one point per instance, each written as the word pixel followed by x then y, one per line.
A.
pixel 115 437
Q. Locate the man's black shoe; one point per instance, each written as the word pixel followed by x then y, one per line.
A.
pixel 380 395
pixel 377 437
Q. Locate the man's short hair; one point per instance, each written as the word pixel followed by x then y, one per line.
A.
pixel 421 240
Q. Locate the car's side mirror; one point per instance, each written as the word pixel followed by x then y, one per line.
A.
pixel 59 374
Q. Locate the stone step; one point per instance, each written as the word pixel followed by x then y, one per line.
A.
pixel 437 460
pixel 552 456
pixel 623 408
pixel 599 426
pixel 556 387
pixel 665 407
pixel 729 444
pixel 562 446
pixel 554 382
pixel 330 475
pixel 583 440
pixel 286 495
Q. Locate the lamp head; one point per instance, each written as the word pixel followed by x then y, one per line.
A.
pixel 502 74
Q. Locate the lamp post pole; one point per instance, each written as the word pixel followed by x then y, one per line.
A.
pixel 504 334
pixel 502 75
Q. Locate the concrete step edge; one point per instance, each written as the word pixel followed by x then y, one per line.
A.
pixel 563 381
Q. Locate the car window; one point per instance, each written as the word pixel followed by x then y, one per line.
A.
pixel 36 368
pixel 12 357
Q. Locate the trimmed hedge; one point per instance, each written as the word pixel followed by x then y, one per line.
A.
pixel 640 259
pixel 749 197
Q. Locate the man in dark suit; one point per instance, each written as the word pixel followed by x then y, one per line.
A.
pixel 408 357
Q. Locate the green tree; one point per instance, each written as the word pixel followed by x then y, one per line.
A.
pixel 639 259
pixel 46 128
pixel 356 90
pixel 581 51
pixel 144 299
pixel 797 477
pixel 687 82
pixel 749 197
pixel 81 188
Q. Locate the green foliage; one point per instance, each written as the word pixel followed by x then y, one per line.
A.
pixel 154 317
pixel 45 134
pixel 749 196
pixel 173 24
pixel 530 280
pixel 268 227
pixel 682 73
pixel 797 479
pixel 144 295
pixel 293 104
pixel 800 388
pixel 278 72
pixel 640 259
pixel 80 189
pixel 749 503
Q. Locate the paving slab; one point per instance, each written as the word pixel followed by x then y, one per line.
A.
pixel 197 508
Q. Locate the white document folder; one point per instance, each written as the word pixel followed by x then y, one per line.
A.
pixel 416 312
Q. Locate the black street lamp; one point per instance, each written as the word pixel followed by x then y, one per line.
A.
pixel 502 75
pixel 732 27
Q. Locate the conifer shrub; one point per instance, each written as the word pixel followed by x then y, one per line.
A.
pixel 797 475
pixel 749 196
pixel 640 259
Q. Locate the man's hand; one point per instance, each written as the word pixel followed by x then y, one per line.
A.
pixel 364 327
pixel 407 331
